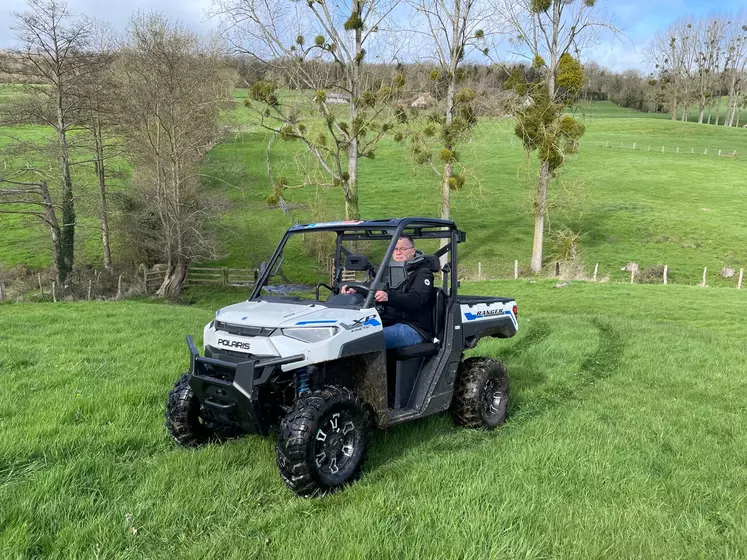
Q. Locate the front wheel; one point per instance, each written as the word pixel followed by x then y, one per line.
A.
pixel 323 441
pixel 187 420
pixel 481 394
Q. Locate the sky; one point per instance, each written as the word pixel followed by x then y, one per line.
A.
pixel 639 20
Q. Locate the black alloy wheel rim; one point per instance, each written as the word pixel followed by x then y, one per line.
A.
pixel 335 443
pixel 493 397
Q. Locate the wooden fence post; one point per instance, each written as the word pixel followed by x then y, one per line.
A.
pixel 119 287
pixel 39 277
pixel 2 292
pixel 632 275
pixel 741 274
pixel 225 277
pixel 90 283
pixel 54 292
pixel 516 270
pixel 704 277
pixel 666 269
pixel 596 268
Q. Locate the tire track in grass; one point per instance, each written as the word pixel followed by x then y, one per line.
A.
pixel 600 364
pixel 536 334
pixel 429 438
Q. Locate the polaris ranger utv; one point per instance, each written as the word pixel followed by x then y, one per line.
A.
pixel 317 369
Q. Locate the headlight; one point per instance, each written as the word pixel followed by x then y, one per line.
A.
pixel 311 334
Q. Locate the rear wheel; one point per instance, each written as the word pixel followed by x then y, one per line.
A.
pixel 187 420
pixel 481 394
pixel 323 441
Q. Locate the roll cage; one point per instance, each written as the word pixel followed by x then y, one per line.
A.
pixel 417 228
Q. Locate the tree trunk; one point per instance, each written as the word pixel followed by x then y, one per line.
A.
pixel 350 187
pixel 718 109
pixel 54 227
pixel 173 282
pixel 544 174
pixel 539 218
pixel 448 169
pixel 67 230
pixel 701 112
pixel 103 210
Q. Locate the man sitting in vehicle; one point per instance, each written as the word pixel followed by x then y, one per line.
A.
pixel 408 308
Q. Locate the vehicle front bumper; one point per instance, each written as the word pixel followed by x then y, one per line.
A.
pixel 229 390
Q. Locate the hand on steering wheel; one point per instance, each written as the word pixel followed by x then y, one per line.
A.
pixel 356 287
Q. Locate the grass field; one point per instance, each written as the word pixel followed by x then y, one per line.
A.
pixel 679 209
pixel 626 439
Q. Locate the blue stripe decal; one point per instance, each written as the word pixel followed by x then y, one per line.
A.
pixel 316 322
pixel 372 322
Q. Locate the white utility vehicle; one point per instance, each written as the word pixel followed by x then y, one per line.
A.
pixel 317 369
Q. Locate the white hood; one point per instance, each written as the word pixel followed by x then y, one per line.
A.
pixel 265 314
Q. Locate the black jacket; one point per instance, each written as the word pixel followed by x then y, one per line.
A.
pixel 412 302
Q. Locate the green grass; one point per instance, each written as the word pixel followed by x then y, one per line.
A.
pixel 608 109
pixel 625 439
pixel 678 209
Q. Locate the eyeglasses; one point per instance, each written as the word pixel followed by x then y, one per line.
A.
pixel 402 249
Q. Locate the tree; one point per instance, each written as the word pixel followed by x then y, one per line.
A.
pixel 546 31
pixel 735 65
pixel 319 49
pixel 97 103
pixel 52 60
pixel 169 84
pixel 453 30
pixel 709 51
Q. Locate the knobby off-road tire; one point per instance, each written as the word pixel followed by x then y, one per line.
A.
pixel 481 394
pixel 188 423
pixel 323 441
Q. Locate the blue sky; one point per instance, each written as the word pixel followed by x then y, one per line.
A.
pixel 639 20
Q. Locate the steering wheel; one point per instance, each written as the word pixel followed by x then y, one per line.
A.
pixel 358 287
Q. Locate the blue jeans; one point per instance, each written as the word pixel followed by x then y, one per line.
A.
pixel 400 335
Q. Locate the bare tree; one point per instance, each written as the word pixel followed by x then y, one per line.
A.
pixel 709 40
pixel 169 84
pixel 97 116
pixel 547 32
pixel 453 30
pixel 320 49
pixel 51 60
pixel 735 64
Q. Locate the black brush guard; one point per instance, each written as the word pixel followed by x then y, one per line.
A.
pixel 229 390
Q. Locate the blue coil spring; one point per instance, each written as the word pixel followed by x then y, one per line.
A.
pixel 303 381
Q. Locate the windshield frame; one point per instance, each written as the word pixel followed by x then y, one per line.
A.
pixel 417 228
